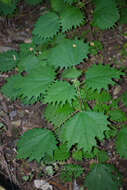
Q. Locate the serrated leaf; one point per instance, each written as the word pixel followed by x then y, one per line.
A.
pixel 118 115
pixel 28 63
pixel 71 171
pixel 88 126
pixel 68 53
pixel 35 143
pixel 106 14
pixel 121 143
pixel 58 5
pixel 61 153
pixel 77 155
pixel 37 82
pixel 8 61
pixel 100 76
pixel 47 25
pixel 71 17
pixel 60 93
pixel 58 114
pixel 71 73
pixel 101 177
pixel 12 88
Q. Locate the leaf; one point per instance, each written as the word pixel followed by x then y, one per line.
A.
pixel 35 143
pixel 12 88
pixel 121 143
pixel 105 14
pixel 71 171
pixel 77 155
pixel 61 153
pixel 71 17
pixel 60 92
pixel 8 61
pixel 100 76
pixel 47 25
pixel 101 177
pixel 37 82
pixel 58 114
pixel 71 1
pixel 33 2
pixel 68 53
pixel 8 7
pixel 71 73
pixel 118 115
pixel 124 98
pixel 88 126
pixel 58 5
pixel 27 49
pixel 28 63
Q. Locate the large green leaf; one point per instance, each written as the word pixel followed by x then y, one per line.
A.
pixel 60 92
pixel 101 178
pixel 35 143
pixel 121 143
pixel 68 53
pixel 71 17
pixel 37 81
pixel 83 129
pixel 58 114
pixel 100 76
pixel 8 61
pixel 47 25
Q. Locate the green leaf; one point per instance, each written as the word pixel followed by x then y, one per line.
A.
pixel 37 81
pixel 71 171
pixel 47 25
pixel 124 98
pixel 105 14
pixel 8 61
pixel 58 114
pixel 88 126
pixel 71 17
pixel 101 177
pixel 8 7
pixel 33 2
pixel 68 53
pixel 77 155
pixel 60 92
pixel 71 73
pixel 35 143
pixel 28 63
pixel 27 49
pixel 61 153
pixel 71 1
pixel 121 143
pixel 58 5
pixel 100 76
pixel 118 115
pixel 12 88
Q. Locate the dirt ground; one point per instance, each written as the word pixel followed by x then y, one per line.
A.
pixel 20 174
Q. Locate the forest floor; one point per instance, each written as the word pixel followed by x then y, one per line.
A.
pixel 22 173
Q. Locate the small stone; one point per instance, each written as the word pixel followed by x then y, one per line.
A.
pixel 116 90
pixel 42 184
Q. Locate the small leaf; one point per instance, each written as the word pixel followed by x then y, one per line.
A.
pixel 77 155
pixel 61 153
pixel 35 143
pixel 118 115
pixel 71 73
pixel 121 143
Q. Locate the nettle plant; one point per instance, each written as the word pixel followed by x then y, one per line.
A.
pixel 79 104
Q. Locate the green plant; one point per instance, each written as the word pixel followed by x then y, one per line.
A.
pixel 81 109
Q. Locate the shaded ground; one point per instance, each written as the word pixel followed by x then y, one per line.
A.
pixel 19 118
